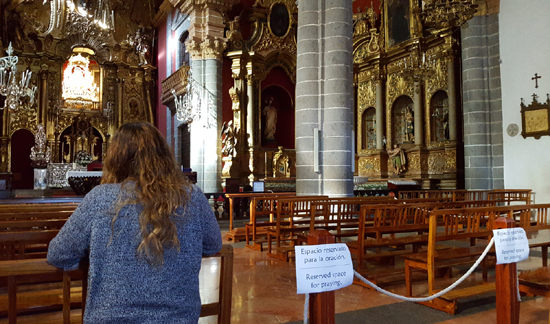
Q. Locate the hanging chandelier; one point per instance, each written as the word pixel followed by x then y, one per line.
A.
pixel 15 90
pixel 190 105
pixel 441 14
pixel 416 68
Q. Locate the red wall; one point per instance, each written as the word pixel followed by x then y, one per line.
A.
pixel 160 121
pixel 365 4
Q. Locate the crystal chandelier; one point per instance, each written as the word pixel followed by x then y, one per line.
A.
pixel 190 105
pixel 441 14
pixel 10 87
pixel 99 13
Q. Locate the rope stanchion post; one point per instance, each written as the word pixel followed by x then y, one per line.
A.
pixel 506 284
pixel 321 305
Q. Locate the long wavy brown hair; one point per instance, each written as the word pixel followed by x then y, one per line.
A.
pixel 140 159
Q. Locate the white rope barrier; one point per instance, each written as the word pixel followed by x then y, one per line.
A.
pixel 418 299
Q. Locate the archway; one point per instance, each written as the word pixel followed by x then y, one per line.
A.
pixel 21 143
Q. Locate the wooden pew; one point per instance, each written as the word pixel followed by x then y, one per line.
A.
pixel 504 195
pixel 294 216
pixel 238 234
pixel 459 224
pixel 388 231
pixel 255 230
pixel 67 295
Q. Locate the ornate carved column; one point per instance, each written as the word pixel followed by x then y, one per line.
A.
pixel 42 117
pixel 120 97
pixel 4 157
pixel 379 115
pixel 418 123
pixel 451 93
pixel 250 124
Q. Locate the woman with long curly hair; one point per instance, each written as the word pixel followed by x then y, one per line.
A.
pixel 145 230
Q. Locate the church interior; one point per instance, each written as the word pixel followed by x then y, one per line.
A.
pixel 266 101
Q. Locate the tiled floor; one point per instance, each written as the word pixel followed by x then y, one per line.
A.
pixel 264 291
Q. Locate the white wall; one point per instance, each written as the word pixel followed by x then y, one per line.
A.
pixel 524 51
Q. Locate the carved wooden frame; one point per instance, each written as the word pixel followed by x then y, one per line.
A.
pixel 535 119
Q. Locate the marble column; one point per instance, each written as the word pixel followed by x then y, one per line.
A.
pixel 379 116
pixel 324 97
pixel 418 124
pixel 451 93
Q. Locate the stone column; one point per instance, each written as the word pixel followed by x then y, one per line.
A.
pixel 379 115
pixel 324 97
pixel 250 111
pixel 206 46
pixel 451 93
pixel 206 67
pixel 250 126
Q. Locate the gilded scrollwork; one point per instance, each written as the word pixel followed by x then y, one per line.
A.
pixel 413 162
pixel 23 119
pixel 437 163
pixel 369 165
pixel 270 42
pixel 366 95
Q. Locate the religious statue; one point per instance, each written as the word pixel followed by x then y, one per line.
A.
pixel 40 153
pixel 234 31
pixel 270 117
pixel 409 122
pixel 444 119
pixel 398 160
pixel 229 139
pixel 140 41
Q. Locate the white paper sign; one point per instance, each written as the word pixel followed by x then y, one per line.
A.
pixel 511 245
pixel 323 267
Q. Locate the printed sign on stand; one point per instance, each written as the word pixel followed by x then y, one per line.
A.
pixel 323 267
pixel 511 245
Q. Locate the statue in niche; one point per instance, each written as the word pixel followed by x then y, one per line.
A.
pixel 443 118
pixel 398 159
pixel 270 118
pixel 409 122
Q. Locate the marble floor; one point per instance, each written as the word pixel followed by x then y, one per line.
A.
pixel 264 291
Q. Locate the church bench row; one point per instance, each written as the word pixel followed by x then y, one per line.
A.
pixel 237 202
pixel 466 224
pixel 15 270
pixel 505 195
pixel 294 216
pixel 339 215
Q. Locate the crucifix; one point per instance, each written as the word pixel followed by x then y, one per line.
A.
pixel 536 77
pixel 535 96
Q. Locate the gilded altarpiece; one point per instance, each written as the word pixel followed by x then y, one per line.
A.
pixel 272 44
pixel 415 71
pixel 46 34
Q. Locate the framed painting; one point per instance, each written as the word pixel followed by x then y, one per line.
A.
pixel 535 118
pixel 397 18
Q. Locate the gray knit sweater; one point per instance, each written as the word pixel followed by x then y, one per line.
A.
pixel 122 287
